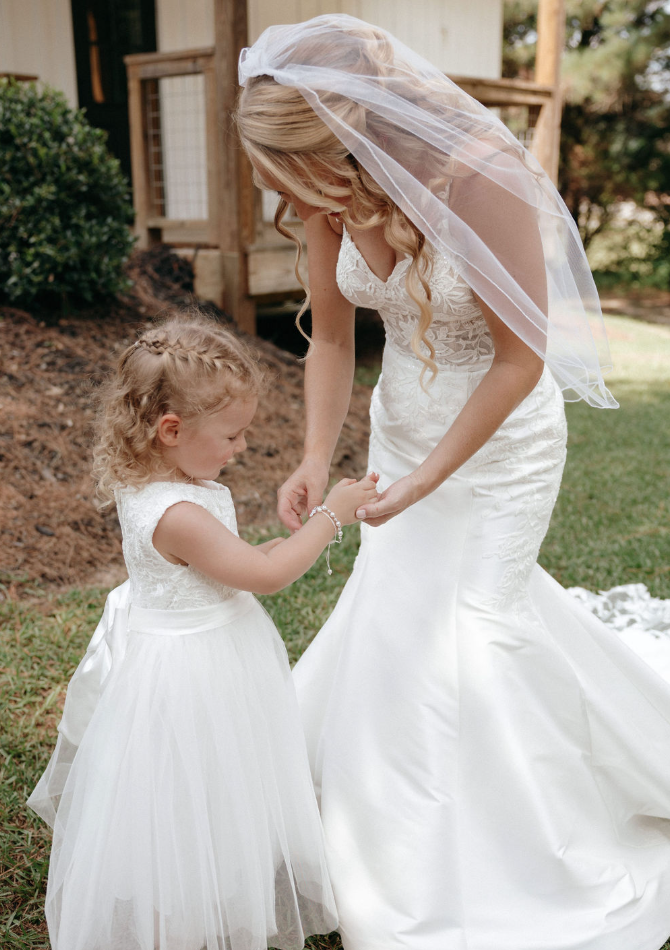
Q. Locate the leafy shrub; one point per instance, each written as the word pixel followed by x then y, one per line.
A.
pixel 64 202
pixel 631 250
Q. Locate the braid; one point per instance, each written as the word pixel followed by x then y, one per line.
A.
pixel 179 349
pixel 187 364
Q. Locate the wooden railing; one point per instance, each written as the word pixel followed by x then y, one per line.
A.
pixel 544 110
pixel 255 263
pixel 145 71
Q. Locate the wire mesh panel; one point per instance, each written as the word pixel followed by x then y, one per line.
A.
pixel 520 119
pixel 177 146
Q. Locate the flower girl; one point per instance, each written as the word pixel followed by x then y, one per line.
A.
pixel 179 792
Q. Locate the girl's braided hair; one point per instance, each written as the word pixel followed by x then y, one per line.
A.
pixel 186 364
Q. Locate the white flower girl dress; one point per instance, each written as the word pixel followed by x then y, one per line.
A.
pixel 180 796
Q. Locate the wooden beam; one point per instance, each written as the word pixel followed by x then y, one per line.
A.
pixel 504 92
pixel 180 63
pixel 138 160
pixel 503 86
pixel 234 177
pixel 19 77
pixel 187 224
pixel 179 55
pixel 213 182
pixel 272 269
pixel 550 42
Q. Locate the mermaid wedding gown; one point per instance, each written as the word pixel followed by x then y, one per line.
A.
pixel 492 761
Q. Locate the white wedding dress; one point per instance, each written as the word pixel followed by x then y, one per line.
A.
pixel 492 761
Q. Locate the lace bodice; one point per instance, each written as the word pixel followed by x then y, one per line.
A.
pixel 458 332
pixel 155 582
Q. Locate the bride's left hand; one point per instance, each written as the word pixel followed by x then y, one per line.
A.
pixel 398 496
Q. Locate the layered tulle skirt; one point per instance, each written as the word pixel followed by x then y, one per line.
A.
pixel 183 810
pixel 492 762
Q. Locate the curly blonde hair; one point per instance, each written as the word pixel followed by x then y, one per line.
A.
pixel 286 140
pixel 186 364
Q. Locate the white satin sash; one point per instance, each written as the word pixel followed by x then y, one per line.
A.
pixel 107 647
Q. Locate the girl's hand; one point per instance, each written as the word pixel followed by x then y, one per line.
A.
pixel 398 496
pixel 267 546
pixel 301 492
pixel 348 495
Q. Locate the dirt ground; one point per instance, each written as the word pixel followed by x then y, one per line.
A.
pixel 51 532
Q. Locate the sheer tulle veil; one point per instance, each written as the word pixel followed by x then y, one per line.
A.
pixel 480 198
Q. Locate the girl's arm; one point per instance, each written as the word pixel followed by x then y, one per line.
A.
pixel 188 534
pixel 329 373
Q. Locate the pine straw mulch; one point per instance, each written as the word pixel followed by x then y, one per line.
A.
pixel 51 533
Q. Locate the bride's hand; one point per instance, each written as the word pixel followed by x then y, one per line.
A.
pixel 398 496
pixel 301 492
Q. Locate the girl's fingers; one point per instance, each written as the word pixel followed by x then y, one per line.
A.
pixel 288 516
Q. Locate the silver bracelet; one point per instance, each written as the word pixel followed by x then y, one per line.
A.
pixel 333 517
pixel 337 525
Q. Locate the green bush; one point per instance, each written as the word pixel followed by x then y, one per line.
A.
pixel 65 208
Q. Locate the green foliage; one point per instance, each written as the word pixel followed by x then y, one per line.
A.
pixel 615 142
pixel 64 203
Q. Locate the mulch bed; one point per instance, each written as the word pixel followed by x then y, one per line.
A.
pixel 51 532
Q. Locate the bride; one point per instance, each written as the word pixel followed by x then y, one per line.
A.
pixel 492 762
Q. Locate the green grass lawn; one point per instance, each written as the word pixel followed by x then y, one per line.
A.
pixel 612 521
pixel 611 526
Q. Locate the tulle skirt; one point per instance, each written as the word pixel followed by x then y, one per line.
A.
pixel 185 816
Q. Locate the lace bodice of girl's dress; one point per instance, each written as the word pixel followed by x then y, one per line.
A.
pixel 155 582
pixel 458 332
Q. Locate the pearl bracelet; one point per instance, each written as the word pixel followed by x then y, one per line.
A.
pixel 336 524
pixel 333 517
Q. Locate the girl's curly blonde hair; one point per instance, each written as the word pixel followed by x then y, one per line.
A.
pixel 186 364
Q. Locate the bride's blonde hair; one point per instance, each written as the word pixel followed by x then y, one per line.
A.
pixel 287 142
pixel 187 364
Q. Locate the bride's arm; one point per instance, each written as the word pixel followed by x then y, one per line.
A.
pixel 508 227
pixel 329 373
pixel 514 373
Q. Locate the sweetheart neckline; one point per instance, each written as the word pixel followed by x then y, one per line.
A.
pixel 383 283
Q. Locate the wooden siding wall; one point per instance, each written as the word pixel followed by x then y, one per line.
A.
pixel 184 24
pixel 36 38
pixel 457 37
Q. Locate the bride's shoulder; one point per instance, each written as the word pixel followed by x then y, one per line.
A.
pixel 335 223
pixel 323 243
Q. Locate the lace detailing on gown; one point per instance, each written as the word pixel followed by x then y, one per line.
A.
pixel 155 582
pixel 459 332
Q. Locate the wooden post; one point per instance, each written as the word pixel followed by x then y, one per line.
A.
pixel 550 42
pixel 234 176
pixel 138 158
